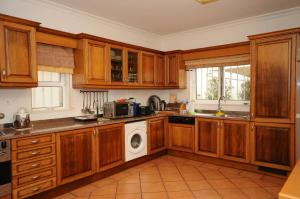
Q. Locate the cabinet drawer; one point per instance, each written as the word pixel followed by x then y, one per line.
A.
pixel 34 188
pixel 32 177
pixel 20 168
pixel 33 153
pixel 32 141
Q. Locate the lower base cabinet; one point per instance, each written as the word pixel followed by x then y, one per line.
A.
pixel 75 151
pixel 272 145
pixel 157 138
pixel 234 141
pixel 182 137
pixel 110 146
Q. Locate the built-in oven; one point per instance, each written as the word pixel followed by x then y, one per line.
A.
pixel 5 168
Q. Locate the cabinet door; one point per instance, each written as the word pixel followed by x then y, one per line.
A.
pixel 148 67
pixel 97 70
pixel 75 151
pixel 207 137
pixel 117 65
pixel 172 70
pixel 133 69
pixel 272 145
pixel 182 137
pixel 273 79
pixel 110 146
pixel 234 141
pixel 156 135
pixel 160 70
pixel 18 53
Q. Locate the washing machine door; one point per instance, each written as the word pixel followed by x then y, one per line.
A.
pixel 136 141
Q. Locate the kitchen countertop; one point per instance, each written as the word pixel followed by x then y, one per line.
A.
pixel 65 124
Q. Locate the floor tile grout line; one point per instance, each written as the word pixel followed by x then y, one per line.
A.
pixel 162 181
pixel 210 183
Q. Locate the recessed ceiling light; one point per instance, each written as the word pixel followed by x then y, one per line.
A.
pixel 206 1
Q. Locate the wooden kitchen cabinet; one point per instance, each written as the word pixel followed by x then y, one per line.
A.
pixel 157 135
pixel 272 145
pixel 234 140
pixel 160 70
pixel 110 146
pixel 175 71
pixel 75 150
pixel 273 69
pixel 92 64
pixel 133 69
pixel 17 55
pixel 148 68
pixel 117 64
pixel 182 137
pixel 207 137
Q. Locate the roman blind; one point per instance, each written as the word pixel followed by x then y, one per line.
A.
pixel 218 61
pixel 53 58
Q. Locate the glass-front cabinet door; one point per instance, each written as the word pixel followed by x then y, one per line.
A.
pixel 117 64
pixel 132 66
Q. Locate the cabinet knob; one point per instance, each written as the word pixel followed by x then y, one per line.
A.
pixel 35 165
pixel 35 153
pixel 35 177
pixel 35 141
pixel 252 127
pixel 4 73
pixel 36 189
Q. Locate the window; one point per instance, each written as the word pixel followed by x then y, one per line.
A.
pixel 52 91
pixel 233 82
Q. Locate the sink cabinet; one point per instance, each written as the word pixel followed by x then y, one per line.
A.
pixel 207 137
pixel 234 140
pixel 157 135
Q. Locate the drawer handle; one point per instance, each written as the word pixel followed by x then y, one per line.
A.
pixel 35 165
pixel 35 153
pixel 35 141
pixel 35 177
pixel 36 189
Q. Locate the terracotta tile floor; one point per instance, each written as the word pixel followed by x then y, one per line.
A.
pixel 178 178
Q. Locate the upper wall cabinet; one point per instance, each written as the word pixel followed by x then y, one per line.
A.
pixel 273 65
pixel 160 70
pixel 92 67
pixel 175 71
pixel 133 67
pixel 17 55
pixel 117 64
pixel 148 67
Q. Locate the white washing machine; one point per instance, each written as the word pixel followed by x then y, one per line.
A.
pixel 135 140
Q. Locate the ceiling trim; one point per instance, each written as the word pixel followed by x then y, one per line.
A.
pixel 267 16
pixel 98 19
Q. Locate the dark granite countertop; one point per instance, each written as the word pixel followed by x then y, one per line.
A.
pixel 65 124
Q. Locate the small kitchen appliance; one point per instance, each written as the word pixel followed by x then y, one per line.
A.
pixel 21 119
pixel 115 109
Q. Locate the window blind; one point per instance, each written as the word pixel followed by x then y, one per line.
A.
pixel 52 58
pixel 218 61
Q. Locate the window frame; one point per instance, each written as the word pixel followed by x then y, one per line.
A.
pixel 65 84
pixel 221 90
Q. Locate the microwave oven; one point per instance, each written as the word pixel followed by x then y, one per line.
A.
pixel 114 110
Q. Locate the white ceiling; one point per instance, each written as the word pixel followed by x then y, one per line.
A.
pixel 169 16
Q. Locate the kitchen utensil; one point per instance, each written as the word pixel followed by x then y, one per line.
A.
pixel 163 105
pixel 154 103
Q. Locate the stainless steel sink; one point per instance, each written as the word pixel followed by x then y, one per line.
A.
pixel 228 114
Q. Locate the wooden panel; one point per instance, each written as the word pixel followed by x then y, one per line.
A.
pixel 157 140
pixel 110 146
pixel 160 70
pixel 28 154
pixel 234 141
pixel 272 145
pixel 33 189
pixel 56 40
pixel 172 70
pixel 18 53
pixel 29 178
pixel 148 65
pixel 273 79
pixel 207 137
pixel 19 168
pixel 75 151
pixel 32 141
pixel 182 137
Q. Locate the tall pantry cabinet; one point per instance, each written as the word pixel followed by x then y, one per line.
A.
pixel 273 90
